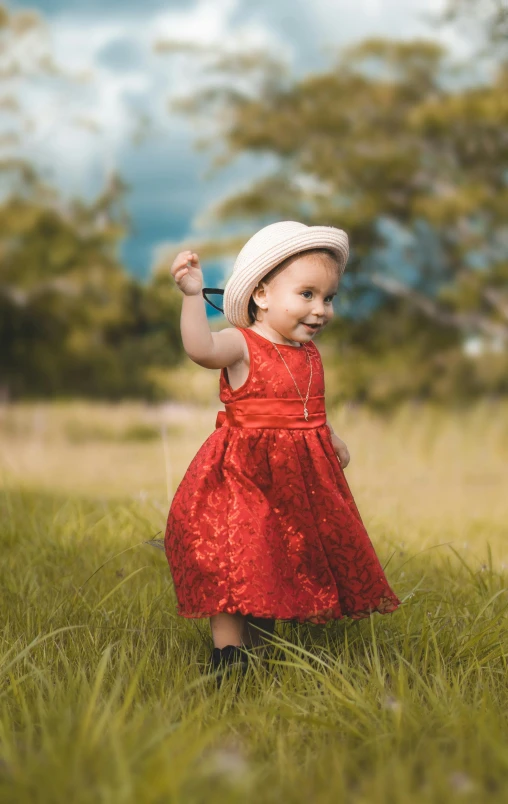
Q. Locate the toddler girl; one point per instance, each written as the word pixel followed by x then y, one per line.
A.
pixel 263 525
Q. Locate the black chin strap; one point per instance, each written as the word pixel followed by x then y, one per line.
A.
pixel 213 290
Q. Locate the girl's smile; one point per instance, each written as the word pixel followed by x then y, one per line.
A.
pixel 298 302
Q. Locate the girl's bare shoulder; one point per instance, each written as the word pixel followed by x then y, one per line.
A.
pixel 230 348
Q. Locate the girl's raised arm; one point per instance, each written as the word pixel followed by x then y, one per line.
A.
pixel 207 348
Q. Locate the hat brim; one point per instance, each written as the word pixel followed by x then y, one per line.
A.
pixel 240 285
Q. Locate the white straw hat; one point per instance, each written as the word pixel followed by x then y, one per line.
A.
pixel 265 250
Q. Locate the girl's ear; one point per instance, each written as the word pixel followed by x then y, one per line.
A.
pixel 259 293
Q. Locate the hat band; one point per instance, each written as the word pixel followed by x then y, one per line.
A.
pixel 218 291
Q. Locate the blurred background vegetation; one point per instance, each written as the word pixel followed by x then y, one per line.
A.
pixel 396 142
pixel 102 694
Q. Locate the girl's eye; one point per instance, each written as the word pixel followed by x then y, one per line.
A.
pixel 328 299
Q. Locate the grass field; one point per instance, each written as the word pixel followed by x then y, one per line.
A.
pixel 103 694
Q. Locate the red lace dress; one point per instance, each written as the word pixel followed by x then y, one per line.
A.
pixel 263 521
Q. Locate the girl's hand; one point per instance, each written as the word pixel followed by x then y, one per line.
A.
pixel 341 450
pixel 187 273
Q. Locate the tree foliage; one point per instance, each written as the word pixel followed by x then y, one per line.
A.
pixel 393 132
pixel 72 321
pixel 393 137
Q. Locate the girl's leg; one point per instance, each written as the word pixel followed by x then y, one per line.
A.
pixel 227 629
pixel 253 636
pixel 235 629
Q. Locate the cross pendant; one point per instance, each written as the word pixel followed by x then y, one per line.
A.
pixel 306 413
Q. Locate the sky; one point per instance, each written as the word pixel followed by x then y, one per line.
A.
pixel 113 44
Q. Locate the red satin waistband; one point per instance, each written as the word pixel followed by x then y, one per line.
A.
pixel 277 413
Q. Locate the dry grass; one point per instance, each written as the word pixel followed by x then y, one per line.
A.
pixel 416 475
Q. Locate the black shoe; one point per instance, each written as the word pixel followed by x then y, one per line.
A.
pixel 224 659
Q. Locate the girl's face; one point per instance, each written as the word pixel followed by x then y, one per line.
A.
pixel 297 302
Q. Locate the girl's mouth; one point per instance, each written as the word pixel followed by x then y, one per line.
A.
pixel 311 327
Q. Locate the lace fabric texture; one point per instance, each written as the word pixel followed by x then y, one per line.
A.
pixel 263 521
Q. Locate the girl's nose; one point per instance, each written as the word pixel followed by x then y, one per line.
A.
pixel 318 308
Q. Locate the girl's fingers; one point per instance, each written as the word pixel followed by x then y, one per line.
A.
pixel 184 261
pixel 343 457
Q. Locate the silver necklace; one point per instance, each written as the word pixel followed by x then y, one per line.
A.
pixel 305 411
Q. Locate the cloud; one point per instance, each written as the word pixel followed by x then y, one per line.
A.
pixel 114 41
pixel 293 22
pixel 97 9
pixel 84 130
pixel 122 55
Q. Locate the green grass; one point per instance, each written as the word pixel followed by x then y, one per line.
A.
pixel 103 695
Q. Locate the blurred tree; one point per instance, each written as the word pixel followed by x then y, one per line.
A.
pixel 485 21
pixel 71 319
pixel 392 133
